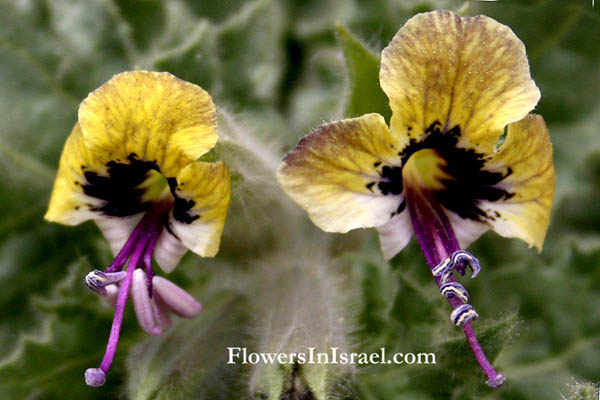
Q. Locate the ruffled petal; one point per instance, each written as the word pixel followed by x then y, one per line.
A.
pixel 471 73
pixel 336 173
pixel 395 235
pixel 69 204
pixel 202 193
pixel 526 158
pixel 153 116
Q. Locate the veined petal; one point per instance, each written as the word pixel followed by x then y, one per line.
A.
pixel 336 174
pixel 466 230
pixel 168 251
pixel 471 73
pixel 202 193
pixel 117 229
pixel 69 204
pixel 527 155
pixel 154 116
pixel 395 235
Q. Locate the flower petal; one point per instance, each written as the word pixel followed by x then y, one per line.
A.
pixel 466 230
pixel 468 72
pixel 117 229
pixel 527 155
pixel 168 251
pixel 154 116
pixel 69 204
pixel 201 192
pixel 395 235
pixel 335 174
pixel 178 300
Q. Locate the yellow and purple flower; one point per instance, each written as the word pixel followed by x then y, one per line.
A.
pixel 440 171
pixel 130 164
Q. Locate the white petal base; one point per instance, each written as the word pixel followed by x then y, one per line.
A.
pixel 395 235
pixel 466 230
pixel 117 229
pixel 168 251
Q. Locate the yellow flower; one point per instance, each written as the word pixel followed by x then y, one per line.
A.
pixel 439 172
pixel 137 141
pixel 130 164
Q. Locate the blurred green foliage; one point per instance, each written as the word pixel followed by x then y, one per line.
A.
pixel 276 69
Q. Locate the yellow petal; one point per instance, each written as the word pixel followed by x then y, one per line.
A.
pixel 201 200
pixel 334 174
pixel 425 169
pixel 155 116
pixel 468 72
pixel 69 205
pixel 527 155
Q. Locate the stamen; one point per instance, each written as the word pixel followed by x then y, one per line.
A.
pixel 94 377
pixel 162 313
pixel 497 381
pixel 178 300
pixel 463 314
pixel 148 264
pixel 137 247
pixel 98 280
pixel 143 304
pixel 455 289
pixel 112 292
pixel 438 241
pixel 127 249
pixel 462 258
pixel 442 268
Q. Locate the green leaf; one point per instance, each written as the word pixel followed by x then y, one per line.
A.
pixel 251 58
pixel 301 307
pixel 582 391
pixel 457 373
pixel 562 44
pixel 49 361
pixel 279 66
pixel 190 361
pixel 365 95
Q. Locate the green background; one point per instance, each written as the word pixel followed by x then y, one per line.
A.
pixel 277 69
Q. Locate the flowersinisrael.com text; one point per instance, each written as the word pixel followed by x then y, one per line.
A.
pixel 334 356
